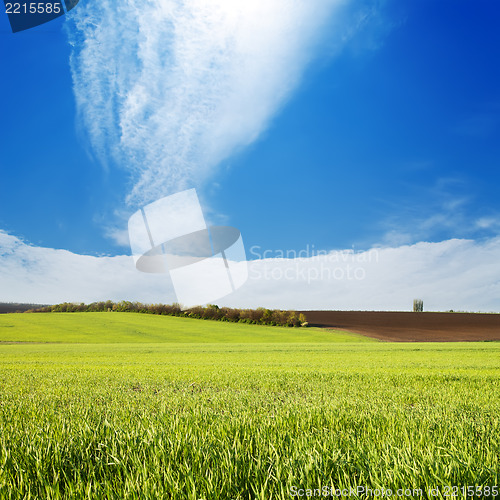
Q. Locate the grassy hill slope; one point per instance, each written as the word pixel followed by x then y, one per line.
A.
pixel 118 327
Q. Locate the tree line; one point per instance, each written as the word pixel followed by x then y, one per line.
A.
pixel 259 316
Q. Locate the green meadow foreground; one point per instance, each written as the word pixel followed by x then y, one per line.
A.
pixel 124 405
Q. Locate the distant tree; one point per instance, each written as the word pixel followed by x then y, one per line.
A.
pixel 418 305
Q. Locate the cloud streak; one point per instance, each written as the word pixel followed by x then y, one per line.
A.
pixel 169 89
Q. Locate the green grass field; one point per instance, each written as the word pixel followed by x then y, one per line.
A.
pixel 112 328
pixel 123 405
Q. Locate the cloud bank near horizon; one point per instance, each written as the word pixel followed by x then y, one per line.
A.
pixel 170 89
pixel 453 274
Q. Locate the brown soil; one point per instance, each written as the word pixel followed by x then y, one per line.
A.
pixel 410 326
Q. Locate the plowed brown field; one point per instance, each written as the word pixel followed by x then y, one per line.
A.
pixel 410 326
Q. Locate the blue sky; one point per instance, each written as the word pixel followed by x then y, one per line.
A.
pixel 383 140
pixel 368 124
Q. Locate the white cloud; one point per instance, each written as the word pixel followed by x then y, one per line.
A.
pixel 170 88
pixel 453 274
pixel 47 276
pixel 492 223
pixel 119 236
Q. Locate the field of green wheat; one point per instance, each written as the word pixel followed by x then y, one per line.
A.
pixel 123 405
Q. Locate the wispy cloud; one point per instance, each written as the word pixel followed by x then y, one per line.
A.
pixel 453 274
pixel 169 89
pixel 441 210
